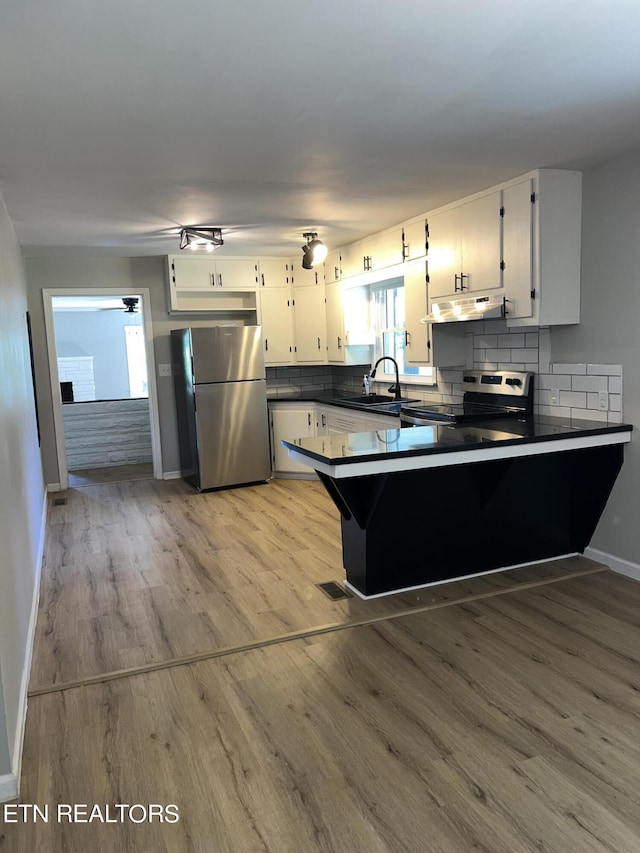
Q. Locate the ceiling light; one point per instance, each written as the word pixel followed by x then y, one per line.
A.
pixel 201 238
pixel 314 252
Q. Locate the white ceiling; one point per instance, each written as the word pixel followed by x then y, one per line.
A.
pixel 121 121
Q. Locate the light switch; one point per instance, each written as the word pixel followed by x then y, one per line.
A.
pixel 164 370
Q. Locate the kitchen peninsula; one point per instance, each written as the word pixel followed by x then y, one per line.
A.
pixel 433 503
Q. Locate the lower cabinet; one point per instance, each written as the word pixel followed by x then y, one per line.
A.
pixel 290 420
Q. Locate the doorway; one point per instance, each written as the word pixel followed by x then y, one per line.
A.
pixel 102 371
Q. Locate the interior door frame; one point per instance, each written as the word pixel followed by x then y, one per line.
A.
pixel 58 423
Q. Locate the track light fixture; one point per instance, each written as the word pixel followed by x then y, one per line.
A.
pixel 314 252
pixel 201 238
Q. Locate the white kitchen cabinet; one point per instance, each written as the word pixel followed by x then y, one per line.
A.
pixel 465 248
pixel 382 250
pixel 235 273
pixel 310 328
pixel 277 331
pixel 274 272
pixel 352 258
pixel 286 421
pixel 417 335
pixel 333 266
pixel 414 239
pixel 542 233
pixel 306 278
pixel 212 273
pixel 194 285
pixel 335 322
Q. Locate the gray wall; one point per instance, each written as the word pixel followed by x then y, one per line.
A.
pixel 609 330
pixel 99 334
pixel 22 492
pixel 107 272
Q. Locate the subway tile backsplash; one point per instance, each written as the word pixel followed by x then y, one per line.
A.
pixel 579 391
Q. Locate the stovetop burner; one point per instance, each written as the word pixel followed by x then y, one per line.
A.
pixel 488 395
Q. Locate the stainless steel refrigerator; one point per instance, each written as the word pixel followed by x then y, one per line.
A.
pixel 221 400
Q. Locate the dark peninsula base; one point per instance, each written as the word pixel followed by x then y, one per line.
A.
pixel 410 528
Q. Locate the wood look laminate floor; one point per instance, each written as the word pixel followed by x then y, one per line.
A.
pixel 506 723
pixel 139 573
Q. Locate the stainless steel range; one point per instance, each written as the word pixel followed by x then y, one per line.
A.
pixel 488 394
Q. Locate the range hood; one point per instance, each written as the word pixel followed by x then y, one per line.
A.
pixel 469 308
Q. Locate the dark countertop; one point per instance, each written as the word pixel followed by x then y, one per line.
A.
pixel 338 398
pixel 397 443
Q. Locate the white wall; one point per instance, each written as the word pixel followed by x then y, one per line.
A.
pixel 99 334
pixel 22 497
pixel 609 330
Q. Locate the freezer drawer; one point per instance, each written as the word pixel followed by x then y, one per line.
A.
pixel 227 354
pixel 232 433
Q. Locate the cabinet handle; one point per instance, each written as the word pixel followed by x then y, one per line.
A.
pixel 339 342
pixel 462 278
pixel 405 247
pixel 262 278
pixel 318 343
pixel 336 271
pixel 324 420
pixel 266 344
pixel 455 283
pixel 309 418
pixel 220 278
pixel 367 263
pixel 407 339
pixel 212 277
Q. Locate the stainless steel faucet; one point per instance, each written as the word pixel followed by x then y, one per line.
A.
pixel 395 388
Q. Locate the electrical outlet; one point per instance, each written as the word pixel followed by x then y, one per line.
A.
pixel 164 370
pixel 553 397
pixel 603 400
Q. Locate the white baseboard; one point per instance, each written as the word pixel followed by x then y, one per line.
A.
pixel 616 564
pixel 54 487
pixel 171 475
pixel 8 787
pixel 16 757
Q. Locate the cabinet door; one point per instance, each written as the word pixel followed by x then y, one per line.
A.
pixel 236 274
pixel 275 317
pixel 335 322
pixel 414 240
pixel 386 249
pixel 444 258
pixel 274 272
pixel 353 257
pixel 333 266
pixel 518 249
pixel 480 231
pixel 310 324
pixel 322 424
pixel 289 422
pixel 192 273
pixel 306 278
pixel 417 335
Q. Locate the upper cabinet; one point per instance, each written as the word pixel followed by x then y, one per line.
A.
pixel 465 248
pixel 274 272
pixel 542 228
pixel 306 278
pixel 208 284
pixel 414 239
pixel 333 266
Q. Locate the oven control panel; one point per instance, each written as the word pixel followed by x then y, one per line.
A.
pixel 510 382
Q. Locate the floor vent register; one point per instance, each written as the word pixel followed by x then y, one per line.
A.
pixel 333 590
